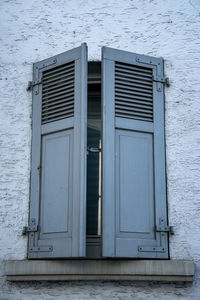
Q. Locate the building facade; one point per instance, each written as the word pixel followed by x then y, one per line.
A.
pixel 34 31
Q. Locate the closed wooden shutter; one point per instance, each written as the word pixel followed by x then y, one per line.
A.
pixel 58 178
pixel 134 188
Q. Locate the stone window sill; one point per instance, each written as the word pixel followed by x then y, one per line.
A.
pixel 83 269
pixel 158 270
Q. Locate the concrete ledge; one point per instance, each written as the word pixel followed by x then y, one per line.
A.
pixel 158 270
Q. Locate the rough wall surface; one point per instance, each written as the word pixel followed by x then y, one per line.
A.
pixel 34 30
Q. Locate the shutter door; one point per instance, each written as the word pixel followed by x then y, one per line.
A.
pixel 134 188
pixel 57 225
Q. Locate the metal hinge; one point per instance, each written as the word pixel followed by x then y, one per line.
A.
pixel 32 228
pixel 164 80
pixel 162 228
pixel 31 84
pixel 33 236
pixel 93 149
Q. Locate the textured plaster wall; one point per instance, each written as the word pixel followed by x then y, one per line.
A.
pixel 34 30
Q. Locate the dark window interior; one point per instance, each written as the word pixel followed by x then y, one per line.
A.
pixel 94 161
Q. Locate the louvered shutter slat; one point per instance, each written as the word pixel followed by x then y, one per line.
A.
pixel 58 85
pixel 58 81
pixel 134 93
pixel 55 90
pixel 132 98
pixel 133 73
pixel 137 68
pixel 59 70
pixel 61 105
pixel 68 92
pixel 57 112
pixel 134 103
pixel 70 95
pixel 59 101
pixel 131 109
pixel 137 83
pixel 133 87
pixel 62 76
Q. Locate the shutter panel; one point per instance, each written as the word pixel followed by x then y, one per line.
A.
pixel 133 183
pixel 58 174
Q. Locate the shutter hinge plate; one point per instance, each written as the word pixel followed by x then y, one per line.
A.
pixel 48 63
pixel 164 80
pixel 161 228
pixel 151 249
pixel 41 249
pixel 32 227
pixel 31 84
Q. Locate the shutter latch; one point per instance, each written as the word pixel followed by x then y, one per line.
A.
pixel 31 84
pixel 93 149
pixel 164 80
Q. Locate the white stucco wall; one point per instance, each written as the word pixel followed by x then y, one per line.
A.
pixel 34 30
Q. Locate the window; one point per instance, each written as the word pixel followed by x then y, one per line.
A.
pixel 72 157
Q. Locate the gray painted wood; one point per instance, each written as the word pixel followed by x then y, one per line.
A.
pixel 134 184
pixel 108 159
pixel 56 179
pixel 55 126
pixel 80 150
pixel 58 173
pixel 134 125
pixel 134 187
